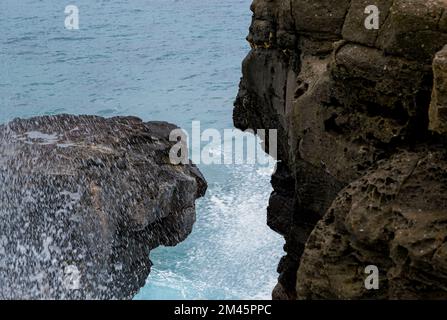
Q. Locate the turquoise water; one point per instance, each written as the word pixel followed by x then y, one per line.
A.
pixel 177 61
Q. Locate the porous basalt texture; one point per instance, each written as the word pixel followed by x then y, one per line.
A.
pixel 393 218
pixel 83 200
pixel 343 98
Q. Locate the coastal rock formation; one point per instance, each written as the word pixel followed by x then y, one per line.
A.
pixel 346 101
pixel 83 200
pixel 393 218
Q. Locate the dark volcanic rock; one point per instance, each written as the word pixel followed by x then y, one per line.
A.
pixel 343 98
pixel 438 107
pixel 394 218
pixel 83 201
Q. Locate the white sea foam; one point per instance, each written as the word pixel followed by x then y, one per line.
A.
pixel 42 138
pixel 231 252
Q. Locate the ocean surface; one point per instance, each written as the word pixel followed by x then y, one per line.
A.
pixel 171 60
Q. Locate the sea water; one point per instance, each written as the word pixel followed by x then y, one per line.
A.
pixel 171 60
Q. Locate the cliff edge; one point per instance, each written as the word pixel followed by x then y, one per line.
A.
pixel 361 117
pixel 83 201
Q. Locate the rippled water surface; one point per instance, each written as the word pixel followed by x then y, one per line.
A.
pixel 177 61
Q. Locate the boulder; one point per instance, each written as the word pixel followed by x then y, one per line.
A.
pixel 83 201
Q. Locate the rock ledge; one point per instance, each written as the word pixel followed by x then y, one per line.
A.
pixel 83 201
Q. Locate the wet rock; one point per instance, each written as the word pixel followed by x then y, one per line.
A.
pixel 83 201
pixel 342 97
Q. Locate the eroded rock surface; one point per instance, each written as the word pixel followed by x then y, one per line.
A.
pixel 393 218
pixel 438 107
pixel 343 98
pixel 83 201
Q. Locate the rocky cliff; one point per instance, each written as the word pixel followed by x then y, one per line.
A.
pixel 361 116
pixel 83 201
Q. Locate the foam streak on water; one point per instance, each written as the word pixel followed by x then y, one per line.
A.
pixel 172 60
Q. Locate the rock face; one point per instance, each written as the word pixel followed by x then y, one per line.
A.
pixel 394 218
pixel 438 107
pixel 352 105
pixel 83 201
